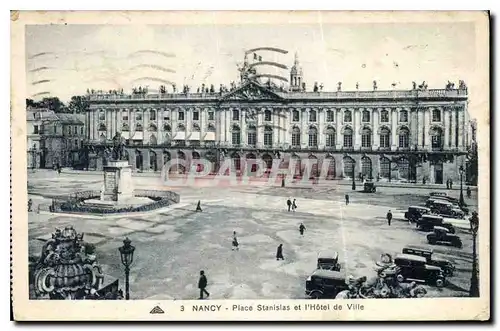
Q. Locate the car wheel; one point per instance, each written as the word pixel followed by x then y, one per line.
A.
pixel 431 241
pixel 400 278
pixel 440 282
pixel 459 244
pixel 316 295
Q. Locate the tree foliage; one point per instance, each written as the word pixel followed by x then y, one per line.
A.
pixel 78 104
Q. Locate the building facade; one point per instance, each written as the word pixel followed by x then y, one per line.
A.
pixel 405 135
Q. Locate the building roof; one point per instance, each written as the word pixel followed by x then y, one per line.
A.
pixel 47 115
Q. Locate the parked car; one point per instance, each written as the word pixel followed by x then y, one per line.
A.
pixel 328 260
pixel 454 201
pixel 415 213
pixel 445 265
pixel 428 222
pixel 438 194
pixel 325 284
pixel 442 236
pixel 369 187
pixel 415 268
pixel 445 208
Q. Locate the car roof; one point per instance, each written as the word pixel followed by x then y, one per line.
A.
pixel 436 193
pixel 433 216
pixel 329 274
pixel 440 228
pixel 418 207
pixel 411 257
pixel 328 255
pixel 420 248
pixel 442 201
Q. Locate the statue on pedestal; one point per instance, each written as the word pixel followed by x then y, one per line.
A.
pixel 118 147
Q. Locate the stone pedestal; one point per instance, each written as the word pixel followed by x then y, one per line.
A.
pixel 117 181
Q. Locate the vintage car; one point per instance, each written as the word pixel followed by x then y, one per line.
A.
pixel 328 260
pixel 415 213
pixel 445 208
pixel 438 194
pixel 455 203
pixel 445 265
pixel 428 222
pixel 415 268
pixel 369 187
pixel 443 236
pixel 325 284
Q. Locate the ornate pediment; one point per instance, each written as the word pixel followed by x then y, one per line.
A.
pixel 251 91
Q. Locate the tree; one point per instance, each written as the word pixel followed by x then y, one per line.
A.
pixel 472 167
pixel 31 103
pixel 78 104
pixel 54 104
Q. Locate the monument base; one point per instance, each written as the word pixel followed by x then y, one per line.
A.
pixel 117 182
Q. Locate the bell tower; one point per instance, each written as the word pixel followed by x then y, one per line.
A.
pixel 296 78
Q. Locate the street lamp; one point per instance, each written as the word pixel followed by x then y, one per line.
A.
pixel 461 170
pixel 127 256
pixel 474 282
pixel 353 179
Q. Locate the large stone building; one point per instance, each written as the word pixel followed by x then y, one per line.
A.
pixel 408 135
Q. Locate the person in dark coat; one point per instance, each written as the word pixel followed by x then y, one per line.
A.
pixel 347 199
pixel 289 204
pixel 294 205
pixel 30 204
pixel 451 184
pixel 198 206
pixel 202 284
pixel 389 218
pixel 235 242
pixel 468 192
pixel 301 229
pixel 447 183
pixel 279 253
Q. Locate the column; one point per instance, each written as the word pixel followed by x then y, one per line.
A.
pixel 132 121
pixel 228 113
pixel 376 121
pixel 338 129
pixel 446 114
pixel 413 127
pixel 393 113
pixel 356 127
pixel 260 128
pixel 427 125
pixel 160 133
pixel 321 126
pixel 109 129
pixel 304 140
pixel 420 128
pixel 461 131
pixel 243 125
pixel 94 124
pixel 276 131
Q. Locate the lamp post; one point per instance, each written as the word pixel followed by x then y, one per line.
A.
pixel 127 256
pixel 353 179
pixel 474 282
pixel 461 170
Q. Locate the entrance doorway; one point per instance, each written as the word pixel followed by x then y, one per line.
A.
pixel 438 173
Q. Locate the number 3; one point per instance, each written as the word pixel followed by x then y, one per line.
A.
pixel 182 308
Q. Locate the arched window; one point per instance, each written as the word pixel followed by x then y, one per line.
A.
pixel 366 116
pixel 295 115
pixel 167 128
pixel 236 161
pixel 211 128
pixel 152 127
pixel 313 137
pixel 348 137
pixel 153 140
pixel 330 137
pixel 268 136
pixel 236 135
pixel 102 127
pixel 385 137
pixel 152 114
pixel 347 116
pixel 138 127
pixel 196 127
pixel 384 116
pixel 125 127
pixel 329 116
pixel 252 135
pixel 385 167
pixel 404 167
pixel 181 127
pixel 403 116
pixel 366 138
pixel 366 167
pixel 267 115
pixel 404 138
pixel 437 138
pixel 348 167
pixel 312 116
pixel 295 137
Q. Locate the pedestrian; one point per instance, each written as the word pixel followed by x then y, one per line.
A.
pixel 451 184
pixel 202 284
pixel 289 204
pixel 301 229
pixel 198 206
pixel 468 192
pixel 447 184
pixel 235 242
pixel 279 253
pixel 30 204
pixel 294 205
pixel 347 199
pixel 389 218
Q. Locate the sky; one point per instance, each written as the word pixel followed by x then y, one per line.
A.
pixel 65 60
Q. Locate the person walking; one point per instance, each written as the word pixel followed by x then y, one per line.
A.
pixel 289 204
pixel 302 229
pixel 235 242
pixel 389 218
pixel 202 284
pixel 447 184
pixel 294 205
pixel 198 206
pixel 279 253
pixel 451 184
pixel 468 192
pixel 346 199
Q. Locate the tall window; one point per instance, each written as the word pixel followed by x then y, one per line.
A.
pixel 252 136
pixel 347 116
pixel 102 115
pixel 366 116
pixel 211 128
pixel 384 116
pixel 181 116
pixel 385 135
pixel 268 136
pixel 236 115
pixel 436 115
pixel 152 115
pixel 330 137
pixel 404 136
pixel 436 138
pixel 329 116
pixel 347 137
pixel 102 127
pixel 312 116
pixel 236 135
pixel 296 137
pixel 366 138
pixel 81 130
pixel 385 166
pixel 138 127
pixel 295 115
pixel 138 115
pixel 166 115
pixel 125 115
pixel 166 128
pixel 267 115
pixel 211 116
pixel 313 137
pixel 196 115
pixel 35 129
pixel 403 116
